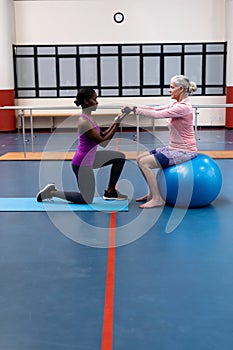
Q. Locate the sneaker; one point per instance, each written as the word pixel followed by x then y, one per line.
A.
pixel 115 195
pixel 45 193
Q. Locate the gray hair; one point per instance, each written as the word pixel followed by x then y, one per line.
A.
pixel 189 86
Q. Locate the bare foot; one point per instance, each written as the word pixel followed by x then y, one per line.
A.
pixel 144 198
pixel 153 203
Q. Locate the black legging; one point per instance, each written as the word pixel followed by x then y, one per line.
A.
pixel 86 178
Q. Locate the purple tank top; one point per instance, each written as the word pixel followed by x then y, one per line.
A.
pixel 86 151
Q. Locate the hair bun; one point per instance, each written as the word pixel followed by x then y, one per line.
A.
pixel 192 87
pixel 77 101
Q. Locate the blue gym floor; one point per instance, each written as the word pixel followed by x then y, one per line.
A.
pixel 173 289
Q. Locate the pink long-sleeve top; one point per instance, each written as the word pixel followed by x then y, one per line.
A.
pixel 180 123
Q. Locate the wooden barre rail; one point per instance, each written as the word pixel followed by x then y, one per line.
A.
pixel 130 155
pixel 54 116
pixel 117 108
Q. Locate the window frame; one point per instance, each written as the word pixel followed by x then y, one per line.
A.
pixel 120 51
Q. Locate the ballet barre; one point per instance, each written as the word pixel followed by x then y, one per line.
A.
pixel 22 109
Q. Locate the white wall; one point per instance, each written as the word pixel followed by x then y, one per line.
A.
pixel 7 36
pixel 148 21
pixel 91 21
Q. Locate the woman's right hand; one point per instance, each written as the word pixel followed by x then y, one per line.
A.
pixel 119 118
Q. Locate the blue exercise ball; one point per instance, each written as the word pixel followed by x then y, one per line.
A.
pixel 191 184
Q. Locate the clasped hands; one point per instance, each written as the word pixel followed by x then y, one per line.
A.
pixel 125 110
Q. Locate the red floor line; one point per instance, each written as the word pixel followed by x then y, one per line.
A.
pixel 107 333
pixel 117 143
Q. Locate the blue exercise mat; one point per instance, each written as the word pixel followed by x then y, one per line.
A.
pixel 30 204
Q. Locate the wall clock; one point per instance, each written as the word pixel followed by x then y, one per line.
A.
pixel 118 17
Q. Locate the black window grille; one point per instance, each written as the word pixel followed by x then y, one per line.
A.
pixel 116 70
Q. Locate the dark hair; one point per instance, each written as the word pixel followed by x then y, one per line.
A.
pixel 83 94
